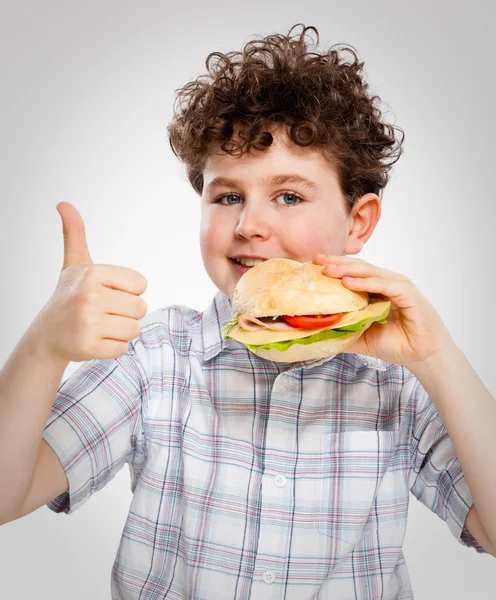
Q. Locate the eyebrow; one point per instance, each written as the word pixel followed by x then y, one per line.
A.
pixel 274 180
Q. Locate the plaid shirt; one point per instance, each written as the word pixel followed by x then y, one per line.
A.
pixel 250 478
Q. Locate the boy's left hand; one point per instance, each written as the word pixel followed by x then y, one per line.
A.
pixel 414 334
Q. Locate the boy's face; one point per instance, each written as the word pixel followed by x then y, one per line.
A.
pixel 246 212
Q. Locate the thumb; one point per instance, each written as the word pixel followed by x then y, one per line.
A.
pixel 75 247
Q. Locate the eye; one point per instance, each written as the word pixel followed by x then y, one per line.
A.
pixel 290 199
pixel 228 199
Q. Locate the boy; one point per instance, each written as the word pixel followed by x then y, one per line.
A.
pixel 250 478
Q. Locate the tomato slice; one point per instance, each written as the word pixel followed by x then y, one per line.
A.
pixel 312 321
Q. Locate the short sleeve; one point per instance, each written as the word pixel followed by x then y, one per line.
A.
pixel 95 425
pixel 436 476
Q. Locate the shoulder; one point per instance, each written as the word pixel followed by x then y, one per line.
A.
pixel 395 383
pixel 175 320
pixel 171 329
pixel 361 362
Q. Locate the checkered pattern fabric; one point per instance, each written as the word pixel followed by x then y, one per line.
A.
pixel 250 478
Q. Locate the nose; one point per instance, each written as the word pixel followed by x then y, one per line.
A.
pixel 253 223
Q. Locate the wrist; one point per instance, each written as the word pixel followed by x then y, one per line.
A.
pixel 40 350
pixel 437 363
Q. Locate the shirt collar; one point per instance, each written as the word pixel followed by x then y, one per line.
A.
pixel 214 318
pixel 218 314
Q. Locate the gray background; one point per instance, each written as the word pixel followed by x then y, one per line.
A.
pixel 86 93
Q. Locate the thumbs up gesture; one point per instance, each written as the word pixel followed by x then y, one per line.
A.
pixel 95 309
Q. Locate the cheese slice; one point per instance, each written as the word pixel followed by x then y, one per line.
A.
pixel 375 308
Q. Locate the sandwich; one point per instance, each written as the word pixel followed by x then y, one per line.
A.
pixel 287 311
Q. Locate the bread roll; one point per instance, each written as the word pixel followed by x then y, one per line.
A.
pixel 280 286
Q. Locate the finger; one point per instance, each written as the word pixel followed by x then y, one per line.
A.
pixel 401 292
pixel 121 278
pixel 124 304
pixel 108 348
pixel 322 259
pixel 75 246
pixel 359 269
pixel 120 328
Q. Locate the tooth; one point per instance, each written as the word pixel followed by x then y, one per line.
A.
pixel 250 262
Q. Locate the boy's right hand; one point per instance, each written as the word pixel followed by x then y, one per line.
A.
pixel 95 309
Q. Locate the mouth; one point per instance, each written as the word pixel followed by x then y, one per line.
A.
pixel 247 262
pixel 242 265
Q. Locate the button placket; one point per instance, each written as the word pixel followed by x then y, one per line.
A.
pixel 272 538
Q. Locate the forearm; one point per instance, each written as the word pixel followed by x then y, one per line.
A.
pixel 469 413
pixel 28 384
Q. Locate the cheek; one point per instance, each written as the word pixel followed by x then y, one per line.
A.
pixel 309 238
pixel 213 232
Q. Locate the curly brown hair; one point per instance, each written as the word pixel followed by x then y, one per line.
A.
pixel 320 98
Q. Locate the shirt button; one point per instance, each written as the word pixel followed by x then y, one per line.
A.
pixel 280 480
pixel 269 577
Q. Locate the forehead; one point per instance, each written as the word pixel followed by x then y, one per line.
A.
pixel 282 157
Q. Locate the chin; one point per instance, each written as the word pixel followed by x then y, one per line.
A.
pixel 223 278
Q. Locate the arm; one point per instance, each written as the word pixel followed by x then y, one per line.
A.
pixel 416 337
pixel 469 413
pixel 93 313
pixel 28 385
pixel 474 526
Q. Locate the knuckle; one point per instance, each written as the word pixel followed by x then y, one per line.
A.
pixel 142 308
pixel 88 296
pixel 87 321
pixel 136 329
pixel 142 283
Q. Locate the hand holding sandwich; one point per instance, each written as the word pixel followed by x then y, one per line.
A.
pixel 414 333
pixel 416 337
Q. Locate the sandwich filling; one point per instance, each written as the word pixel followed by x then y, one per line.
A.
pixel 280 332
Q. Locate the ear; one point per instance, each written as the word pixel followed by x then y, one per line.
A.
pixel 362 221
